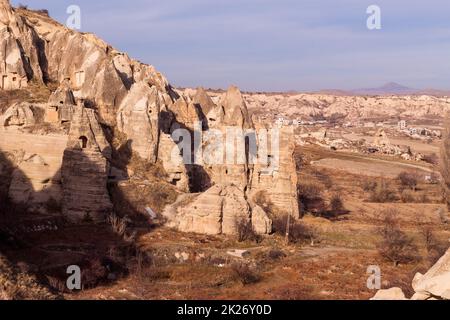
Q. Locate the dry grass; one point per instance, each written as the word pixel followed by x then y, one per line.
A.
pixel 396 246
pixel 17 285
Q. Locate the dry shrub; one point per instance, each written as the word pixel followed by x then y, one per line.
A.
pixel 395 246
pixel 407 196
pixel 244 274
pixel 154 274
pixel 245 232
pixel 298 231
pixel 431 158
pixel 382 193
pixel 409 179
pixel 310 197
pixel 435 248
pixel 294 293
pixel 324 178
pixel 119 227
pixel 336 203
pixel 275 254
pixel 369 185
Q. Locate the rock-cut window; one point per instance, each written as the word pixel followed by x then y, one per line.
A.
pixel 83 142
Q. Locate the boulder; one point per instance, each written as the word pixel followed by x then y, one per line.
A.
pixel 85 170
pixel 261 223
pixel 436 282
pixel 390 294
pixel 238 253
pixel 219 210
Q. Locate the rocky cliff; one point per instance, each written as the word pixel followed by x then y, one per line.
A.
pixel 102 105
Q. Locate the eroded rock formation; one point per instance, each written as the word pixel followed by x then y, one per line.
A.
pixel 222 209
pixel 85 169
pixel 102 92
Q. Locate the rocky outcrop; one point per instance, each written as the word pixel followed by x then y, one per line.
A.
pixel 18 115
pixel 278 177
pixel 173 163
pixel 433 285
pixel 210 114
pixel 100 88
pixel 19 53
pixel 436 282
pixel 230 145
pixel 185 113
pixel 219 210
pixel 85 169
pixel 60 106
pixel 235 109
pixel 138 118
pixel 261 223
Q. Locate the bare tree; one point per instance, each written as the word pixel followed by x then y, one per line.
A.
pixel 445 160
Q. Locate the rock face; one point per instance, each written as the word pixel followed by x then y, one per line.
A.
pixel 230 137
pixel 185 113
pixel 434 285
pixel 219 210
pixel 233 166
pixel 278 177
pixel 60 105
pixel 18 115
pixel 210 114
pixel 390 294
pixel 173 163
pixel 138 118
pixel 436 282
pixel 102 92
pixel 19 50
pixel 85 169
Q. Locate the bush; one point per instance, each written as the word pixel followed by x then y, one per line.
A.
pixel 435 248
pixel 407 196
pixel 382 193
pixel 275 254
pixel 245 274
pixel 369 185
pixel 245 232
pixel 324 178
pixel 409 179
pixel 310 198
pixel 395 246
pixel 431 159
pixel 336 203
pixel 298 231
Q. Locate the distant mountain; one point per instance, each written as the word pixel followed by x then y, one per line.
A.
pixel 389 88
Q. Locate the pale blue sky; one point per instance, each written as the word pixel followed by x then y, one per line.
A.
pixel 278 44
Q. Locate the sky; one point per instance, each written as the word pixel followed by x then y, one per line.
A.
pixel 275 45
